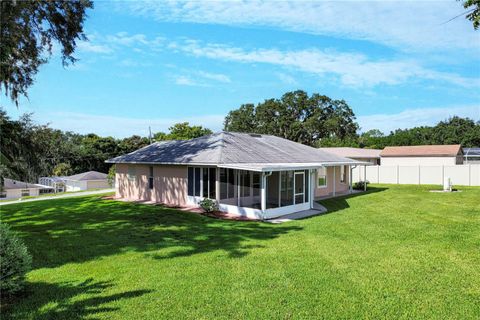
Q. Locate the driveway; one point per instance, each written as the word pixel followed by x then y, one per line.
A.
pixel 67 195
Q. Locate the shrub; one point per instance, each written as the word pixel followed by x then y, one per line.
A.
pixel 208 205
pixel 15 261
pixel 360 185
pixel 111 176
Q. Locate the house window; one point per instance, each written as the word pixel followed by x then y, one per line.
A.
pixel 202 182
pixel 3 195
pixel 322 177
pixel 150 178
pixel 131 174
pixel 25 192
pixel 343 174
pixel 190 181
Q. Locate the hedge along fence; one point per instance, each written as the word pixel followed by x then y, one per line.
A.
pixel 461 175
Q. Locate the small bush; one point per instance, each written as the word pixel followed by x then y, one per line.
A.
pixel 15 261
pixel 360 185
pixel 208 205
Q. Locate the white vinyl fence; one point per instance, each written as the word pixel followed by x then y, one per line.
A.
pixel 460 175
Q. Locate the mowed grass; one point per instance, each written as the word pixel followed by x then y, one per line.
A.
pixel 397 252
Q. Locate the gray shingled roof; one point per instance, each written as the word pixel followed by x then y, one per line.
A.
pixel 89 175
pixel 229 148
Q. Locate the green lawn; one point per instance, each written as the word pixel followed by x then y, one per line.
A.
pixel 396 252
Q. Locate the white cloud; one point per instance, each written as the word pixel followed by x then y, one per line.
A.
pixel 215 76
pixel 286 79
pixel 120 127
pixel 416 117
pixel 410 25
pixel 87 46
pixel 353 69
pixel 187 81
pixel 200 78
pixel 133 40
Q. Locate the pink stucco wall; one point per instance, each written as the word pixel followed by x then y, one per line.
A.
pixel 169 184
pixel 339 187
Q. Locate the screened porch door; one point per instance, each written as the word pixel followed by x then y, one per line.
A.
pixel 299 187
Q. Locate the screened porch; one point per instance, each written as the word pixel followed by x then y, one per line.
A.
pixel 251 193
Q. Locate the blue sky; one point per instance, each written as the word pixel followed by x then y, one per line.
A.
pixel 397 64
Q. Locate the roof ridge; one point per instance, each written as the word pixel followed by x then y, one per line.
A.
pixel 221 147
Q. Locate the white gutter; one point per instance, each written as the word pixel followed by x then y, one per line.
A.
pixel 258 167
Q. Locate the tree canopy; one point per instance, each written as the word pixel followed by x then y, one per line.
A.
pixel 473 12
pixel 29 151
pixel 182 131
pixel 295 116
pixel 455 130
pixel 28 30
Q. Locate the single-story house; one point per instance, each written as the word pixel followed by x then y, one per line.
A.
pixel 428 155
pixel 254 175
pixel 471 155
pixel 13 189
pixel 77 182
pixel 86 181
pixel 360 154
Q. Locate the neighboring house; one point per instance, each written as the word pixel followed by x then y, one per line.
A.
pixel 258 176
pixel 428 155
pixel 471 155
pixel 13 189
pixel 77 182
pixel 360 154
pixel 85 181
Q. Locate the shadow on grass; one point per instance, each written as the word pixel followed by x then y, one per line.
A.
pixel 341 203
pixel 86 228
pixel 60 301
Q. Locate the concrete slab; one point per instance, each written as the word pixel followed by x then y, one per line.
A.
pixel 318 209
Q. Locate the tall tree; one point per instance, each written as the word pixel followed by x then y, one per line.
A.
pixel 296 116
pixel 457 130
pixel 182 131
pixel 27 31
pixel 241 119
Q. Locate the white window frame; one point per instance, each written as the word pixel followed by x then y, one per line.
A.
pixel 3 195
pixel 25 192
pixel 319 186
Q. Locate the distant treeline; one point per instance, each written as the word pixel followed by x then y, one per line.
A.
pixel 455 130
pixel 29 150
